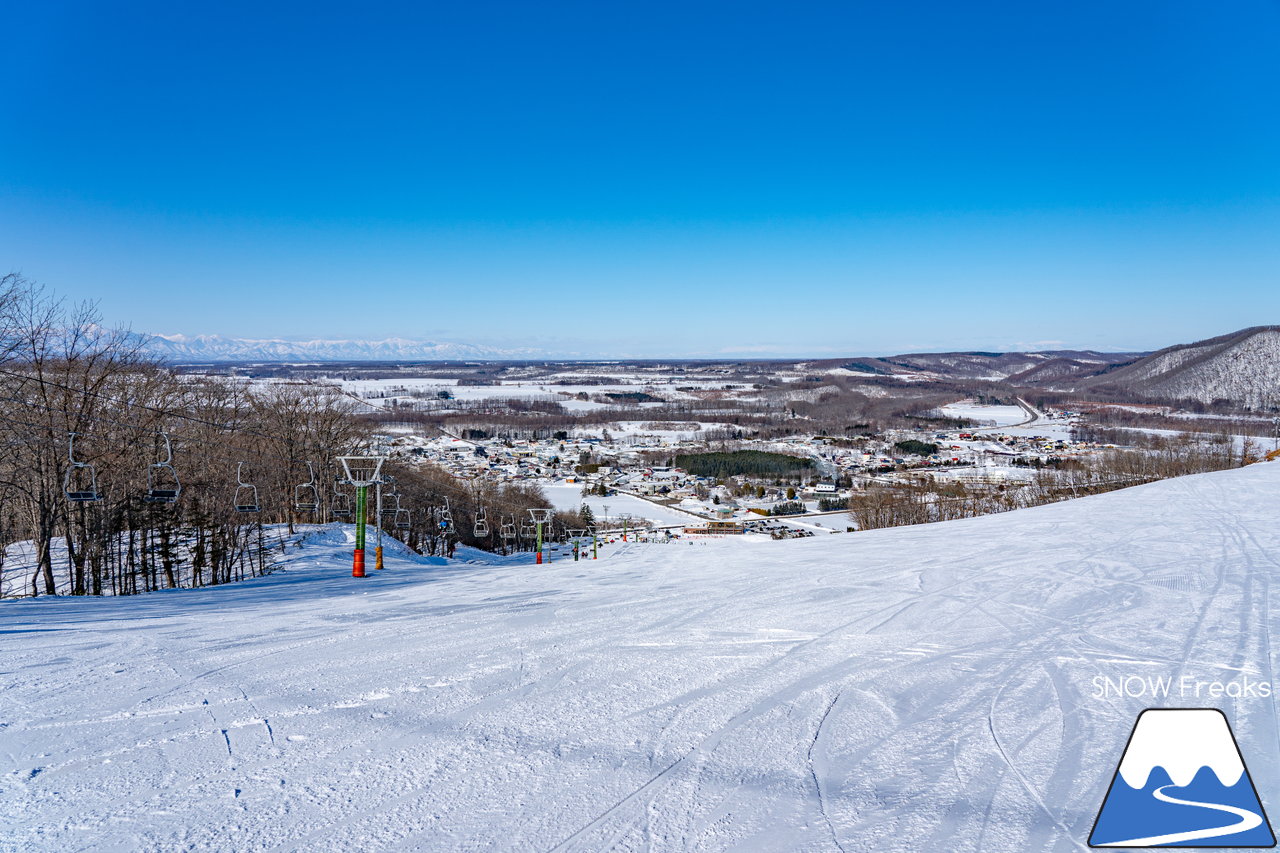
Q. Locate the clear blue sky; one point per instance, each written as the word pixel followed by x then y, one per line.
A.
pixel 651 178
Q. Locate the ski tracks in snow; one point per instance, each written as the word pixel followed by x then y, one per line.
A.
pixel 818 770
pixel 898 690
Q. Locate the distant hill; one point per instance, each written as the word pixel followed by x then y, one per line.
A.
pixel 1064 369
pixel 1242 368
pixel 1029 368
pixel 1007 365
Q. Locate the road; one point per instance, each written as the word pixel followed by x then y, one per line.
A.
pixel 1033 416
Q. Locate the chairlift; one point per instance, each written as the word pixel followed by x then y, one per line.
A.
pixel 246 493
pixel 481 528
pixel 163 486
pixel 81 481
pixel 527 530
pixel 539 516
pixel 306 498
pixel 361 471
pixel 507 530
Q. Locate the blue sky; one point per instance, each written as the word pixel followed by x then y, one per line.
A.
pixel 651 178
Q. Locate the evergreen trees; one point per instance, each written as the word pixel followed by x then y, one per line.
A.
pixel 918 448
pixel 749 462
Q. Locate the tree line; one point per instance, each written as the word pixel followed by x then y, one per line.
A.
pixel 120 476
pixel 927 500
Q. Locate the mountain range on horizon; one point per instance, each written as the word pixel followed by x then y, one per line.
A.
pixel 1242 367
pixel 219 348
pixel 188 349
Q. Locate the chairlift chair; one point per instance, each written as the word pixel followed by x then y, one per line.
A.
pixel 306 498
pixel 508 528
pixel 163 486
pixel 341 503
pixel 386 488
pixel 403 519
pixel 387 510
pixel 481 528
pixel 246 493
pixel 442 520
pixel 81 482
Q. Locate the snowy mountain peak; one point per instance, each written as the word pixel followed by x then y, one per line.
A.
pixel 1181 741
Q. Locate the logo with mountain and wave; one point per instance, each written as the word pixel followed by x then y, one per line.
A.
pixel 1182 782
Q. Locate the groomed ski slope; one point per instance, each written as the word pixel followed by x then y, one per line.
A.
pixel 914 689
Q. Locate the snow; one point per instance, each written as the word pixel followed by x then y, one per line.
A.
pixel 673 431
pixel 1010 420
pixel 835 523
pixel 542 388
pixel 908 689
pixel 569 498
pixel 1001 416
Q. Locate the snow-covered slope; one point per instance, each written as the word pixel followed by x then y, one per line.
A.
pixel 202 348
pixel 912 689
pixel 1243 367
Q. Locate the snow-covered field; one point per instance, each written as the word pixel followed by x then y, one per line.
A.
pixel 1000 416
pixel 831 523
pixel 912 689
pixel 542 387
pixel 666 431
pixel 1009 420
pixel 569 498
